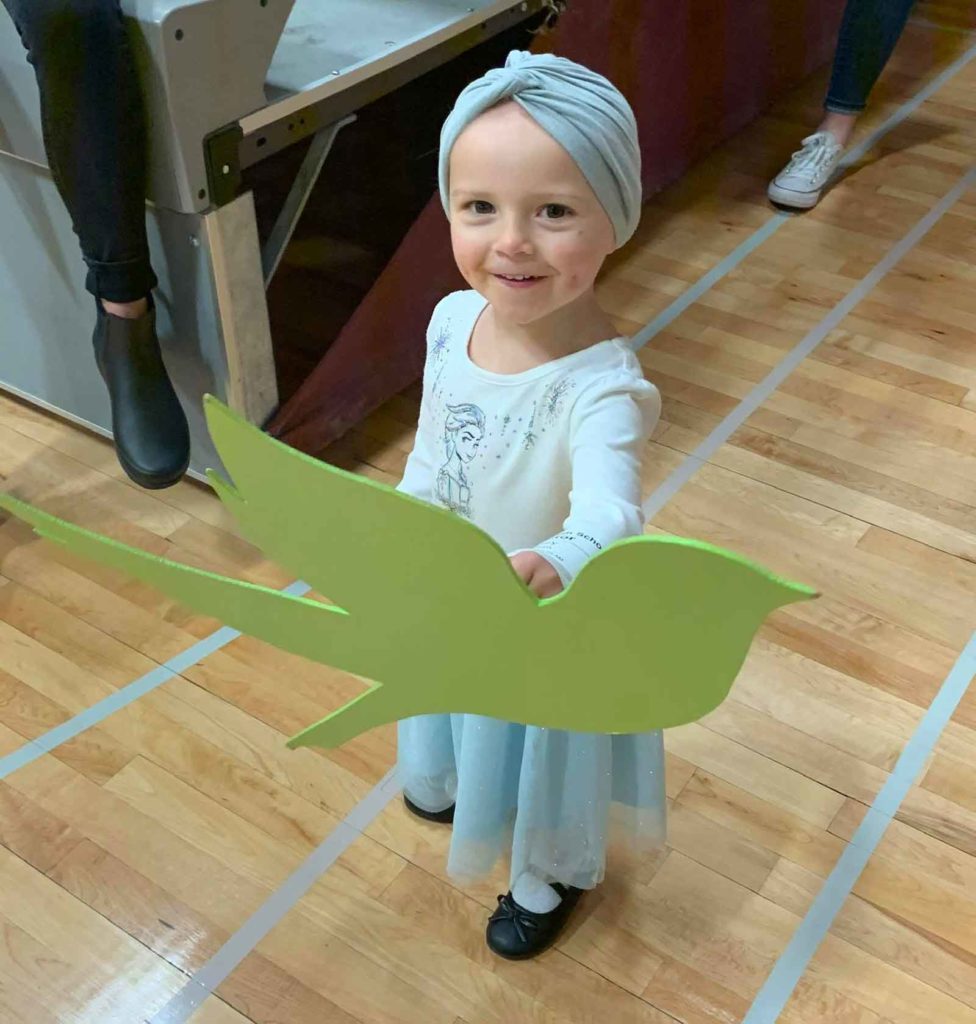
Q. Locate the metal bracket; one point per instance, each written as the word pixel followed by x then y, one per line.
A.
pixel 221 152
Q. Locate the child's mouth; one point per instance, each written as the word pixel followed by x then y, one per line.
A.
pixel 518 280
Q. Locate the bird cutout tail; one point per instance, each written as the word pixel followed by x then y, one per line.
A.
pixel 380 705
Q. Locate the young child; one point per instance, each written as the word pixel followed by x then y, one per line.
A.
pixel 533 418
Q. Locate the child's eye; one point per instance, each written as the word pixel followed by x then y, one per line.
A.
pixel 481 206
pixel 556 211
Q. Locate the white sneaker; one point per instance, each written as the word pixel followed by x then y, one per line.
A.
pixel 804 178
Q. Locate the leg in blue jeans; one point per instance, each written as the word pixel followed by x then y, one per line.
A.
pixel 93 122
pixel 868 35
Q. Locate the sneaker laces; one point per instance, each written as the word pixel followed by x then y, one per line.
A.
pixel 817 152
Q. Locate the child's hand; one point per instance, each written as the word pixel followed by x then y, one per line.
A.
pixel 537 574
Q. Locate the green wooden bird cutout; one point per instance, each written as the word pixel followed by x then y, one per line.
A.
pixel 651 634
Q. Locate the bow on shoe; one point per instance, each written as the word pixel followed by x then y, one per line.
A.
pixel 522 920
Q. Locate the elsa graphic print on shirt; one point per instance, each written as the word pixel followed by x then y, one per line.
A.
pixel 464 430
pixel 545 459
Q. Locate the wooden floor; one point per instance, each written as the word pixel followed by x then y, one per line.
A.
pixel 131 854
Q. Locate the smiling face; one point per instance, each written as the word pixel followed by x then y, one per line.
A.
pixel 527 230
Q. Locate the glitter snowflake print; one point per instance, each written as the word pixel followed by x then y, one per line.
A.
pixel 554 397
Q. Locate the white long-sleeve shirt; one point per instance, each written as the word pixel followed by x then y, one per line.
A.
pixel 548 459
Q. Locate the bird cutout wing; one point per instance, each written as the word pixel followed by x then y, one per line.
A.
pixel 368 548
pixel 651 634
pixel 315 630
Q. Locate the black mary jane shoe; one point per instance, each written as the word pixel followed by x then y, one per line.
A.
pixel 445 817
pixel 518 934
pixel 152 439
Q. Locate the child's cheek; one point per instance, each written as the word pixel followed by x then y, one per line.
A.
pixel 581 264
pixel 465 255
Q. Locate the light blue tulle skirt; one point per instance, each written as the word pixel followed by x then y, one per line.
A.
pixel 543 796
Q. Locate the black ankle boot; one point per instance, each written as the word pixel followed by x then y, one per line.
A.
pixel 152 439
pixel 519 934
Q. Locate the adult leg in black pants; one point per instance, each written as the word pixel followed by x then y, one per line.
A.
pixel 94 134
pixel 868 35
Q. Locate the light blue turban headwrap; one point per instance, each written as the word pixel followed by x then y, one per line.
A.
pixel 580 109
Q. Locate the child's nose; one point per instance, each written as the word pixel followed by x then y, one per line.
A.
pixel 515 238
